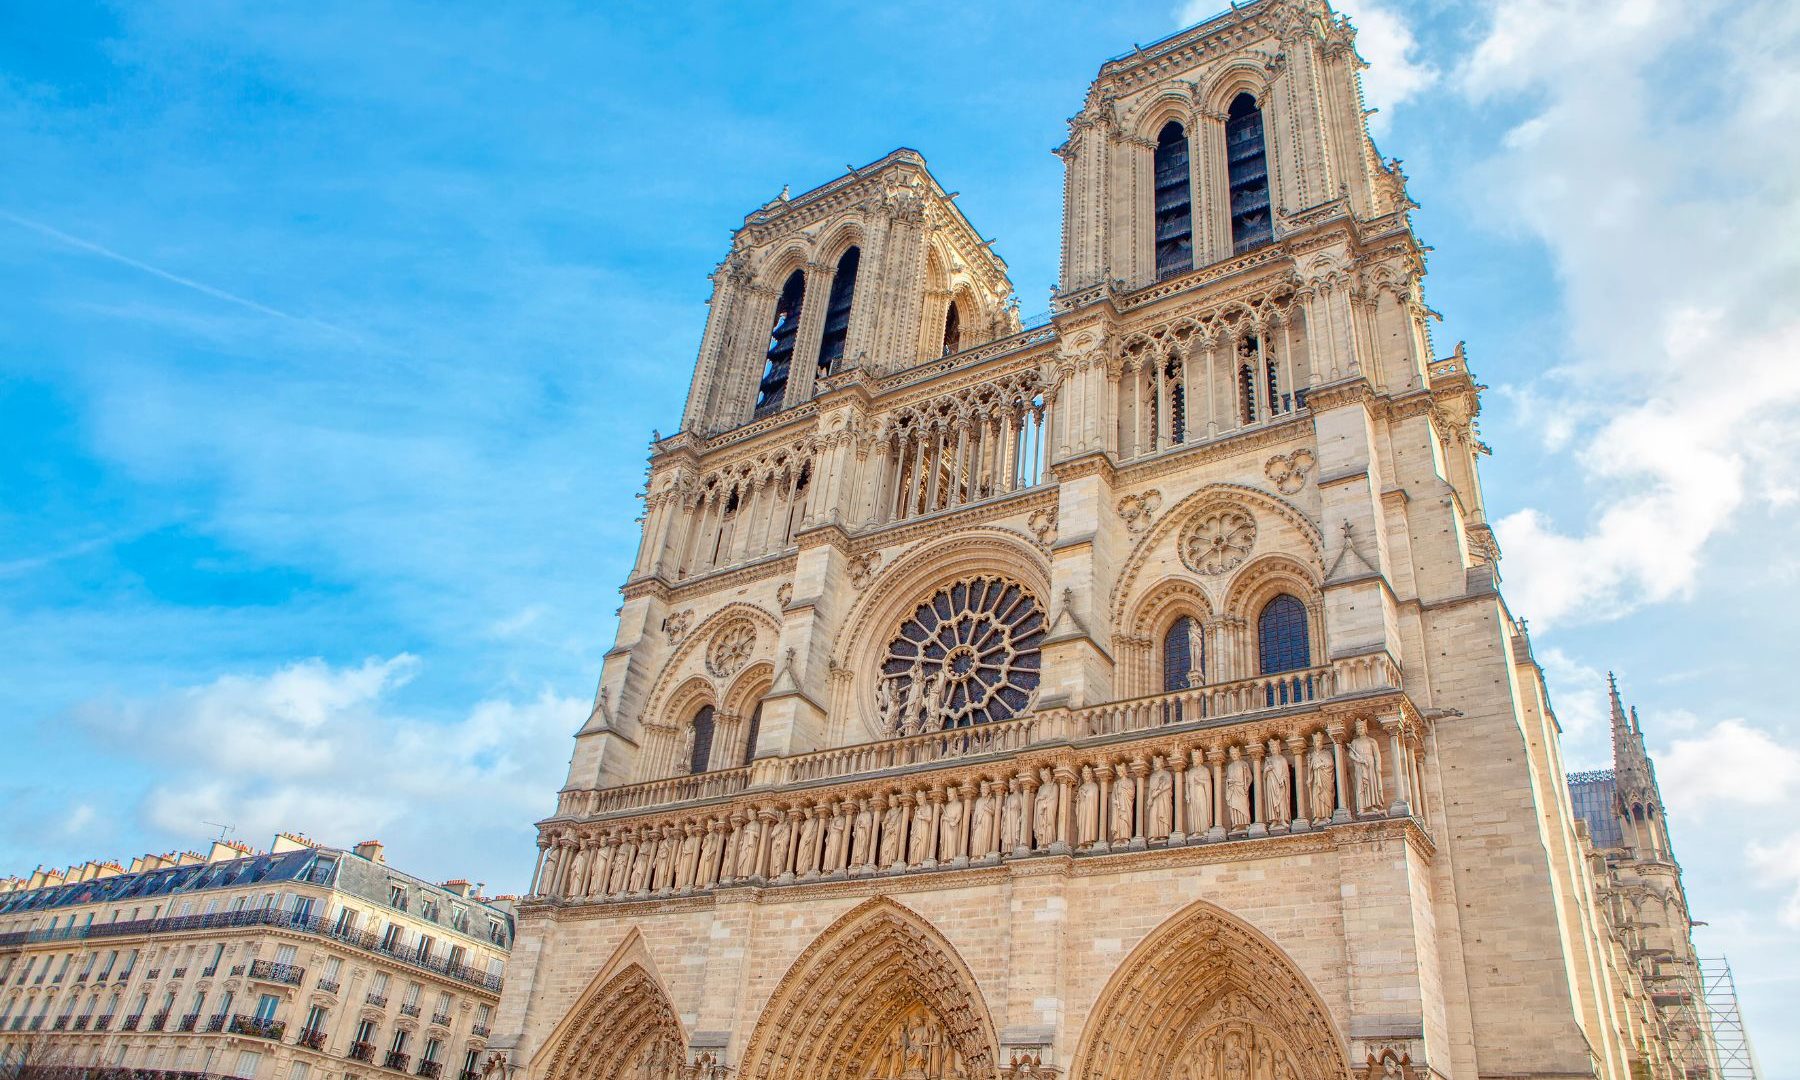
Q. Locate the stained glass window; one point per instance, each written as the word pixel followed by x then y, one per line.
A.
pixel 701 754
pixel 1281 635
pixel 1184 654
pixel 973 650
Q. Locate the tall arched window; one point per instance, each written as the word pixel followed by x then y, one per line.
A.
pixel 952 329
pixel 701 755
pixel 1247 166
pixel 837 311
pixel 1184 655
pixel 1281 636
pixel 752 731
pixel 773 389
pixel 1174 204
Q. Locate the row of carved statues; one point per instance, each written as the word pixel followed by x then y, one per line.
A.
pixel 1290 781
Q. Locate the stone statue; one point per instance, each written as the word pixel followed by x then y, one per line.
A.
pixel 621 868
pixel 914 700
pixel 931 716
pixel 684 861
pixel 1321 791
pixel 1237 791
pixel 834 837
pixel 808 860
pixel 893 824
pixel 1199 795
pixel 780 841
pixel 1124 805
pixel 665 861
pixel 749 847
pixel 1087 807
pixel 1044 810
pixel 1365 771
pixel 924 833
pixel 1159 803
pixel 887 702
pixel 861 834
pixel 640 867
pixel 1278 791
pixel 709 857
pixel 1236 1057
pixel 1012 818
pixel 981 822
pixel 950 843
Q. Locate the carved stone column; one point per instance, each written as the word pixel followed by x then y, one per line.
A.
pixel 1296 748
pixel 1139 770
pixel 1065 826
pixel 1259 814
pixel 1178 764
pixel 1335 733
pixel 1394 726
pixel 1215 760
pixel 537 871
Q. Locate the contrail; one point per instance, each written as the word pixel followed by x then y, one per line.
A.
pixel 177 279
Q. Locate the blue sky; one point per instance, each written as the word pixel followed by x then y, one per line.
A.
pixel 334 333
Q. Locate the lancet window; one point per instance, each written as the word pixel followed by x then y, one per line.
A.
pixel 745 510
pixel 1282 636
pixel 1184 655
pixel 1174 203
pixel 1247 167
pixel 837 312
pixel 952 329
pixel 772 391
pixel 700 753
pixel 751 731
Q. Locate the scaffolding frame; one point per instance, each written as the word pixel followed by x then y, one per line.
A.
pixel 1731 1041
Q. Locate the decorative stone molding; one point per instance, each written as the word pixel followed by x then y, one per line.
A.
pixel 1042 524
pixel 1218 540
pixel 677 625
pixel 1136 510
pixel 1288 471
pixel 731 648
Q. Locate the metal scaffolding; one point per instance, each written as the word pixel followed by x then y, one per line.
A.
pixel 1737 1061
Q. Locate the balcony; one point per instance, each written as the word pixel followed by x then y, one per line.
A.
pixel 361 1051
pixel 188 1022
pixel 130 1023
pixel 216 1022
pixel 213 969
pixel 480 1031
pixel 441 1019
pixel 312 1040
pixel 328 986
pixel 178 973
pixel 81 1023
pixel 61 1023
pixel 284 920
pixel 431 1070
pixel 258 1027
pixel 153 973
pixel 102 1022
pixel 269 971
pixel 396 1060
pixel 409 1010
pixel 81 978
pixel 468 1074
pixel 377 1000
pixel 157 1020
pixel 37 1022
pixel 237 970
pixel 1262 756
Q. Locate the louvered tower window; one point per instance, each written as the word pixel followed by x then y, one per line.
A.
pixel 1184 654
pixel 1247 166
pixel 952 329
pixel 1174 204
pixel 773 389
pixel 1281 636
pixel 837 312
pixel 701 754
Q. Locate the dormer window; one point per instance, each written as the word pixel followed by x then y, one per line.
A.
pixel 772 392
pixel 837 312
pixel 1174 203
pixel 1247 166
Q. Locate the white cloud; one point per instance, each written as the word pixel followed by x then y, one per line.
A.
pixel 1732 764
pixel 326 751
pixel 1778 864
pixel 1396 71
pixel 1646 166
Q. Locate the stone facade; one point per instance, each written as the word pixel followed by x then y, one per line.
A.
pixel 1125 696
pixel 297 962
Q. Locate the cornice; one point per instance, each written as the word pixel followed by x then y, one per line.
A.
pixel 1190 455
pixel 997 508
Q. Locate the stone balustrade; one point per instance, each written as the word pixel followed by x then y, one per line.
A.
pixel 1261 757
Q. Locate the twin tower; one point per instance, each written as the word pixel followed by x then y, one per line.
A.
pixel 1123 696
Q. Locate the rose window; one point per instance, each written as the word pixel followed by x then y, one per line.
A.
pixel 970 655
pixel 1218 541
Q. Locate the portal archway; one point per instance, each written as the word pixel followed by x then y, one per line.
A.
pixel 1206 995
pixel 622 1027
pixel 881 994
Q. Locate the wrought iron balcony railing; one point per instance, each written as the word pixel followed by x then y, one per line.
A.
pixel 377 1000
pixel 258 1027
pixel 269 971
pixel 130 1023
pixel 312 1040
pixel 158 1020
pixel 328 986
pixel 441 1019
pixel 431 1070
pixel 361 1051
pixel 409 1010
pixel 396 1060
pixel 188 1022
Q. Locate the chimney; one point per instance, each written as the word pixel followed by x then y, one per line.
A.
pixel 370 850
pixel 457 886
pixel 285 841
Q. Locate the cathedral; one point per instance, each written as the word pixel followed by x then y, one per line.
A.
pixel 1126 696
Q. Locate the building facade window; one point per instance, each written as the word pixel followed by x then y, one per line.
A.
pixel 701 752
pixel 1282 637
pixel 1247 166
pixel 1184 655
pixel 952 329
pixel 772 391
pixel 1174 203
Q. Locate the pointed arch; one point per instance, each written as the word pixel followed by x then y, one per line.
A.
pixel 861 990
pixel 622 1022
pixel 1202 985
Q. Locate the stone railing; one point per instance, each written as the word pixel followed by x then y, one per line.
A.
pixel 675 789
pixel 1243 760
